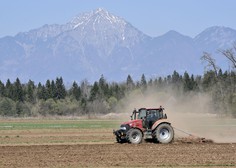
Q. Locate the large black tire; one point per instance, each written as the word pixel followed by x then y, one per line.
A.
pixel 164 133
pixel 134 136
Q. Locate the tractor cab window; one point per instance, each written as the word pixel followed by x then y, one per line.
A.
pixel 152 114
pixel 155 114
pixel 142 113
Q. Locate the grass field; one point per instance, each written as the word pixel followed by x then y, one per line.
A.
pixel 19 124
pixel 56 131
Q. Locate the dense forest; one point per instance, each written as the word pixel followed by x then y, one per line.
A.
pixel 54 98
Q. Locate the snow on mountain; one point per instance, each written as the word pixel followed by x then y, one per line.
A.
pixel 95 16
pixel 99 27
pixel 98 42
pixel 102 43
pixel 41 34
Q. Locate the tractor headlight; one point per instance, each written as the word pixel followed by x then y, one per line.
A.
pixel 123 128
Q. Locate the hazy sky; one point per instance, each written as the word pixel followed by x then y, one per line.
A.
pixel 152 17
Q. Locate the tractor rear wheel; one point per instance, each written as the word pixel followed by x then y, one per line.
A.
pixel 164 133
pixel 134 136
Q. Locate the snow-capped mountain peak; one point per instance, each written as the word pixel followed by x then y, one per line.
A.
pixel 104 14
pixel 96 16
pixel 99 42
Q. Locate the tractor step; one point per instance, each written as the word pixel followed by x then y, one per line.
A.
pixel 148 134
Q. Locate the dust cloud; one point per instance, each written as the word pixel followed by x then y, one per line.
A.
pixel 190 114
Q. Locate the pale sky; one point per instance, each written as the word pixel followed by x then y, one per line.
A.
pixel 152 17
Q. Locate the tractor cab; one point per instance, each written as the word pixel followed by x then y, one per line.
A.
pixel 140 114
pixel 148 116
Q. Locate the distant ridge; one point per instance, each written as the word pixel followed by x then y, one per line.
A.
pixel 98 42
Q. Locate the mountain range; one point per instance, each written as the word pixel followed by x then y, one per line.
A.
pixel 99 43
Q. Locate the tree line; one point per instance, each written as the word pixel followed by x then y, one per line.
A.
pixel 54 98
pixel 101 97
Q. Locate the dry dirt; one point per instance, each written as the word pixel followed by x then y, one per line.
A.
pixel 96 147
pixel 120 155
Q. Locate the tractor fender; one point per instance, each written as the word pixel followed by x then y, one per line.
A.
pixel 158 122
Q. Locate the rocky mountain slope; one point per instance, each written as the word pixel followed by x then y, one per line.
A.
pixel 98 42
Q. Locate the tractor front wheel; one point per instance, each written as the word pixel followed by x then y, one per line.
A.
pixel 164 133
pixel 134 136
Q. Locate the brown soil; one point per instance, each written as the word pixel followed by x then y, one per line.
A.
pixel 119 155
pixel 96 147
pixel 55 136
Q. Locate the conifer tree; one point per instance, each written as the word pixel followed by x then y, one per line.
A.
pixel 103 87
pixel 30 91
pixel 60 89
pixel 41 92
pixel 9 89
pixel 48 89
pixel 18 91
pixel 76 91
pixel 175 77
pixel 53 89
pixel 2 89
pixel 44 93
pixel 94 93
pixel 129 83
pixel 187 82
pixel 143 82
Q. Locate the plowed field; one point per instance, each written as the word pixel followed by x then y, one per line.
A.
pixel 119 155
pixel 74 143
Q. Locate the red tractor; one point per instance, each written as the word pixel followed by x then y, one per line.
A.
pixel 146 123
